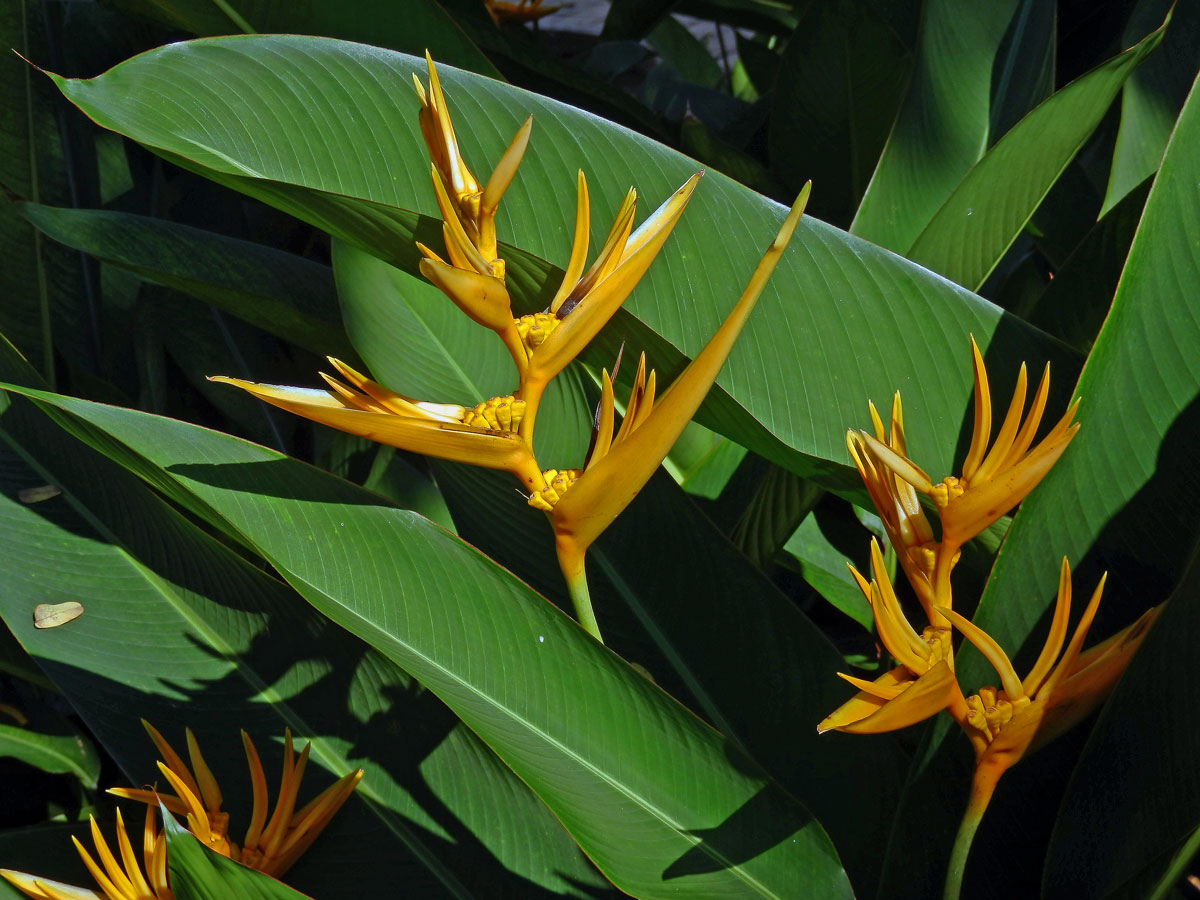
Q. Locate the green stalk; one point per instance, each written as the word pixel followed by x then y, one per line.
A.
pixel 982 787
pixel 582 600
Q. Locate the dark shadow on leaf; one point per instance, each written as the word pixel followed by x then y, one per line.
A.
pixel 424 820
pixel 742 836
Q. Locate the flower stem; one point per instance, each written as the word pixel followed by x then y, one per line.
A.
pixel 582 600
pixel 982 787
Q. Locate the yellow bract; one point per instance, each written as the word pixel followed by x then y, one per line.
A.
pixel 1002 724
pixel 499 433
pixel 921 686
pixel 585 302
pixel 620 465
pixel 118 879
pixel 485 435
pixel 468 210
pixel 271 845
pixel 1005 723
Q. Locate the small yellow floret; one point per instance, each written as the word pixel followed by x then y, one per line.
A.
pixel 536 328
pixel 557 483
pixel 496 414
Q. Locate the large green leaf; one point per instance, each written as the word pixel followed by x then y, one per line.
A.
pixel 1153 95
pixel 1158 803
pixel 942 127
pixel 279 292
pixel 322 130
pixel 1126 497
pixel 662 803
pixel 198 873
pixel 182 631
pixel 673 595
pixel 986 212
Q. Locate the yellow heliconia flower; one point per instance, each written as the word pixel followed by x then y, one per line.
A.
pixel 992 482
pixel 473 274
pixel 900 509
pixel 117 880
pixel 1003 724
pixel 467 208
pixel 484 435
pixel 586 301
pixel 920 687
pixel 1006 723
pixel 504 12
pixel 582 504
pixel 270 845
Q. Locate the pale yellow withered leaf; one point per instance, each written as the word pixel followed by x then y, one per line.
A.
pixel 51 615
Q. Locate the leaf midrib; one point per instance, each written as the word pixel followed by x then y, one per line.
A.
pixel 661 815
pixel 332 761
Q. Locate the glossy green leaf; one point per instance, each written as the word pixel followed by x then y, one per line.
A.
pixel 1158 804
pixel 1153 95
pixel 675 597
pixel 823 565
pixel 986 212
pixel 64 753
pixel 942 128
pixel 611 755
pixel 1124 497
pixel 279 292
pixel 833 300
pixel 182 631
pixel 198 873
pixel 841 79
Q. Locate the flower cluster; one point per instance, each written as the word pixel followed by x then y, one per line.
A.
pixel 272 844
pixel 1005 723
pixel 498 432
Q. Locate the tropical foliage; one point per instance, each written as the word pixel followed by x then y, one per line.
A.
pixel 607 675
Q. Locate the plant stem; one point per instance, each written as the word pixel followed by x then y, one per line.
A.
pixel 578 586
pixel 982 787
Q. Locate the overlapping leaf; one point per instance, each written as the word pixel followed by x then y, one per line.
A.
pixel 182 631
pixel 1123 498
pixel 322 128
pixel 981 218
pixel 663 804
pixel 942 127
